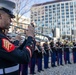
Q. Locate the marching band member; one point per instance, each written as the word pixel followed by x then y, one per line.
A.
pixel 74 51
pixel 59 52
pixel 39 56
pixel 46 55
pixel 10 55
pixel 53 53
pixel 66 52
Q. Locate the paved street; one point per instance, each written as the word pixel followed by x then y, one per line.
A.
pixel 69 69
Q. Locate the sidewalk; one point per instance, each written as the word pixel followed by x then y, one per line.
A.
pixel 69 69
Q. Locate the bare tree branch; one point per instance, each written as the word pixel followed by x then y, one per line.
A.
pixel 22 7
pixel 25 5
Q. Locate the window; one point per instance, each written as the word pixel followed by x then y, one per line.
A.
pixel 35 20
pixel 46 6
pixel 62 13
pixel 50 12
pixel 46 9
pixel 71 3
pixel 74 3
pixel 58 16
pixel 63 22
pixel 67 16
pixel 50 15
pixel 58 7
pixel 42 19
pixel 46 24
pixel 46 18
pixel 68 32
pixel 31 12
pixel 62 10
pixel 50 6
pixel 38 19
pixel 53 11
pixel 66 3
pixel 63 16
pixel 50 18
pixel 58 13
pixel 62 5
pixel 46 15
pixel 46 12
pixel 67 12
pixel 35 14
pixel 50 21
pixel 67 9
pixel 50 9
pixel 58 4
pixel 58 10
pixel 42 16
pixel 71 12
pixel 54 20
pixel 46 21
pixel 71 15
pixel 54 8
pixel 58 23
pixel 71 9
pixel 67 22
pixel 53 5
pixel 72 19
pixel 72 22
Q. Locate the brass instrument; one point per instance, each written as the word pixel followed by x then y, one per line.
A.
pixel 49 38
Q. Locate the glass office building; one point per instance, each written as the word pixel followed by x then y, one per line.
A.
pixel 57 14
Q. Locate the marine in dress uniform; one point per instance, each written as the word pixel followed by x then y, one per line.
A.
pixel 59 52
pixel 53 53
pixel 33 61
pixel 39 56
pixel 74 51
pixel 46 55
pixel 23 68
pixel 66 52
pixel 10 55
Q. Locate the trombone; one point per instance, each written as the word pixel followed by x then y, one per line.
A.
pixel 49 38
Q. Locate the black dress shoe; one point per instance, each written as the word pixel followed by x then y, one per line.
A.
pixel 39 71
pixel 45 68
pixel 62 64
pixel 48 67
pixel 69 63
pixel 33 73
pixel 42 70
pixel 58 65
pixel 54 66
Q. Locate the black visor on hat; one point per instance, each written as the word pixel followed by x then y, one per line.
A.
pixel 8 12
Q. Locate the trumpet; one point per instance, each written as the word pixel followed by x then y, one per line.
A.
pixel 49 38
